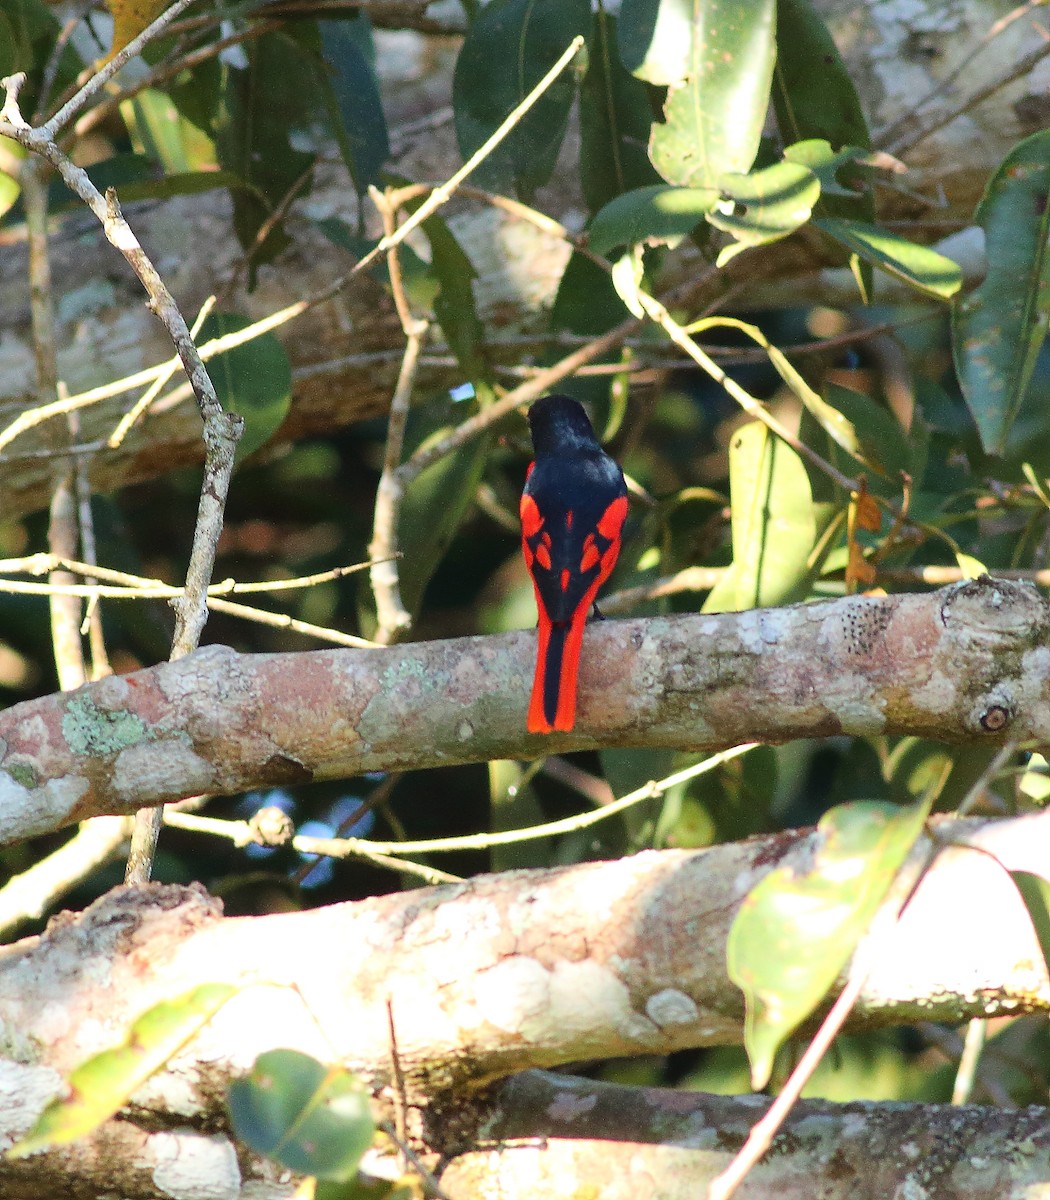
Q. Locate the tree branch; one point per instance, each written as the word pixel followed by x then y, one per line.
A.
pixel 497 975
pixel 968 662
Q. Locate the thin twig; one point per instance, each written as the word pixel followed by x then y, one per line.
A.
pixel 973 1044
pixel 29 895
pixel 908 139
pixel 342 847
pixel 105 73
pixel 157 386
pixel 754 408
pixel 221 429
pixel 242 833
pixel 62 526
pixel 441 195
pixel 391 615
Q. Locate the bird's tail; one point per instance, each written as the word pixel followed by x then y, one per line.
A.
pixel 553 703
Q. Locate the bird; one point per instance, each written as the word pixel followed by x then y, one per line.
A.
pixel 572 510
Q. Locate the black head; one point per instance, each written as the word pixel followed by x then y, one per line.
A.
pixel 559 422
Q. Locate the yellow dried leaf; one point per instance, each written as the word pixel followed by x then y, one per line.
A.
pixel 130 18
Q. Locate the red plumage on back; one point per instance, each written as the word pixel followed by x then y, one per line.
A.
pixel 572 513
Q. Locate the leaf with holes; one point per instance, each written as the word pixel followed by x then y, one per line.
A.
pixel 764 206
pixel 713 117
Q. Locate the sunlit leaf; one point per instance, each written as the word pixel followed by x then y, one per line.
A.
pixel 764 206
pixel 773 521
pixel 254 380
pixel 654 38
pixel 916 265
pixel 10 188
pixel 999 327
pixel 159 130
pixel 971 567
pixel 130 18
pixel 312 1118
pixel 627 275
pixel 659 214
pixel 510 46
pixel 826 163
pixel 796 930
pixel 713 117
pixel 103 1084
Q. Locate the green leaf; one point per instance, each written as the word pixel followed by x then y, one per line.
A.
pixel 182 183
pixel 813 92
pixel 649 216
pixel 1035 892
pixel 10 188
pixel 309 1117
pixel 879 442
pixel 713 117
pixel 764 206
pixel 825 163
pixel 615 119
pixel 795 931
pixel 28 36
pixel 9 47
pixel 773 521
pixel 509 47
pixel 454 304
pixel 436 501
pixel 916 265
pixel 158 129
pixel 360 126
pixel 362 1187
pixel 654 38
pixel 999 327
pixel 263 106
pixel 254 379
pixel 103 1084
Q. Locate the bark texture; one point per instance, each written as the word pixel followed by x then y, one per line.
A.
pixel 486 978
pixel 630 1142
pixel 966 663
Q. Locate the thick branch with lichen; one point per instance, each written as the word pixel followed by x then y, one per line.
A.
pixel 486 978
pixel 968 663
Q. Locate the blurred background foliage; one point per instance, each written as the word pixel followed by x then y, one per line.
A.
pixel 938 402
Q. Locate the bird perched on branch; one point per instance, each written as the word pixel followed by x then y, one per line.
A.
pixel 572 512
